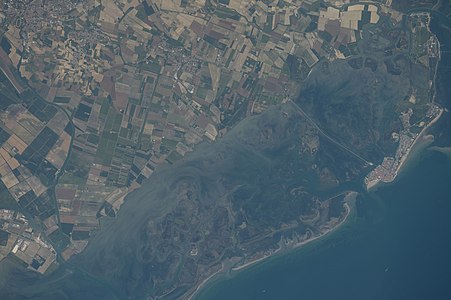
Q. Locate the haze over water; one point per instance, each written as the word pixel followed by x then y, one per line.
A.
pixel 396 246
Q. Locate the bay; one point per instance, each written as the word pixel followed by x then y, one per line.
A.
pixel 396 247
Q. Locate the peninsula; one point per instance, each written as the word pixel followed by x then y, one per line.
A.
pixel 149 146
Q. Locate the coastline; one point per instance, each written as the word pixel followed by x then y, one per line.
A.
pixel 373 184
pixel 365 252
pixel 415 142
pixel 299 244
pixel 349 203
pixel 204 282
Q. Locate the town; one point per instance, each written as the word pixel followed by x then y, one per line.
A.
pixel 101 94
pixel 19 238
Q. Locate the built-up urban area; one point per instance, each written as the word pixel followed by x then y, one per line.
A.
pixel 18 238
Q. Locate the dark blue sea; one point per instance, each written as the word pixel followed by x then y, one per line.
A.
pixel 396 246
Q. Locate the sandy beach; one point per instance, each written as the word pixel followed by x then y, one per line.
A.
pixel 202 284
pixel 252 262
pixel 300 244
pixel 350 197
pixel 420 135
pixel 326 232
pixel 371 185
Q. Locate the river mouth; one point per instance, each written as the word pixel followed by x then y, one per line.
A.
pixel 151 245
pixel 395 248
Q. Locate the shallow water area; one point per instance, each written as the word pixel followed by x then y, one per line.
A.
pixel 396 248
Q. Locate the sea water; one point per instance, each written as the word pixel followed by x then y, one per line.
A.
pixel 396 246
